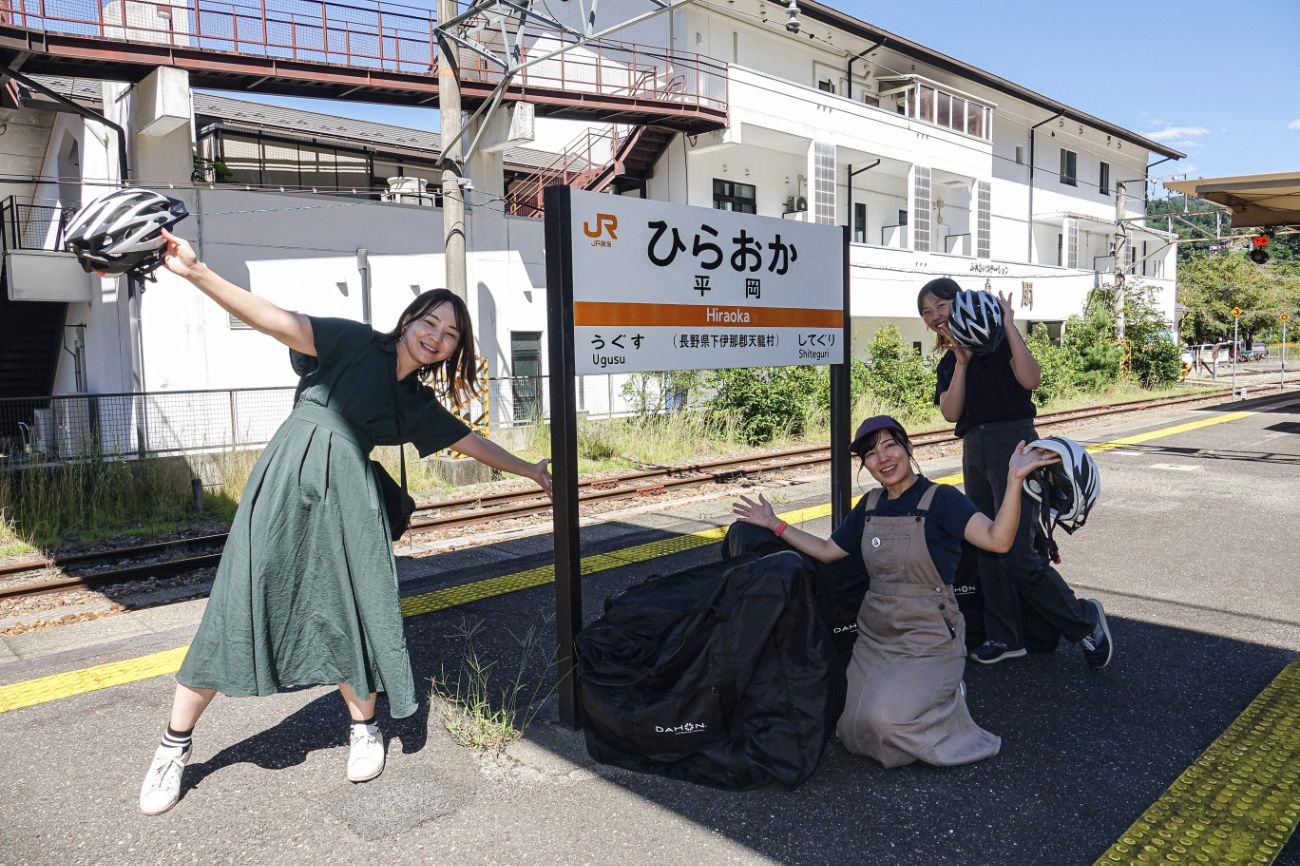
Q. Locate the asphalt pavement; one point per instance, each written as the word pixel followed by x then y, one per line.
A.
pixel 1191 550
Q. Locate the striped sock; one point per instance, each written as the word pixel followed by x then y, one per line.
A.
pixel 178 740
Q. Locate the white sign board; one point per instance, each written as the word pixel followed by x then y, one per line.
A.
pixel 659 286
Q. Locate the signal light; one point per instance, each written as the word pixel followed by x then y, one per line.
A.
pixel 1259 249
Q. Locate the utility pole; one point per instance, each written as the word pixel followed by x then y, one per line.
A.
pixel 1121 256
pixel 453 196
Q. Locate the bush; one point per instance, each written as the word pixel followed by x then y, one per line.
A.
pixel 897 376
pixel 1054 362
pixel 761 403
pixel 1157 363
pixel 1091 351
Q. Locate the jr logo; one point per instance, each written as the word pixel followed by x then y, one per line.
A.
pixel 605 222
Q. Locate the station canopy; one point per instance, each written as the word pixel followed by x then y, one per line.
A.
pixel 1256 200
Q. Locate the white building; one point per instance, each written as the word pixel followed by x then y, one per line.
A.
pixel 939 168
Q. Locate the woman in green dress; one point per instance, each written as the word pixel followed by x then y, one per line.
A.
pixel 306 592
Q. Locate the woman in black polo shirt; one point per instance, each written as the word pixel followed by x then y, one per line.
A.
pixel 989 397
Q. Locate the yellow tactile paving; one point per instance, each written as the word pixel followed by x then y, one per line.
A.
pixel 38 691
pixel 1239 802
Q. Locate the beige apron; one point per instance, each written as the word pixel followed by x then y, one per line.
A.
pixel 904 701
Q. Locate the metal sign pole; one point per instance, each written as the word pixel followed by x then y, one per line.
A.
pixel 1282 381
pixel 564 445
pixel 1236 352
pixel 841 398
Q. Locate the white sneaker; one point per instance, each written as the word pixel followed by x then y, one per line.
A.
pixel 366 757
pixel 162 784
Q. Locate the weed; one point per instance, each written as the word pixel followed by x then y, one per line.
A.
pixel 475 711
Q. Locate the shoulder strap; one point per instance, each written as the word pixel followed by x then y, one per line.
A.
pixel 873 499
pixel 923 506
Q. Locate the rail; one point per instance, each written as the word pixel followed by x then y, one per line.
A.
pixel 380 36
pixel 33 226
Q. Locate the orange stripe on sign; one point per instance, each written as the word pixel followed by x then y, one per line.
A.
pixel 609 314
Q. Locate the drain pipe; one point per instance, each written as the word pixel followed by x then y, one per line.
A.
pixel 861 55
pixel 123 166
pixel 853 174
pixel 1029 249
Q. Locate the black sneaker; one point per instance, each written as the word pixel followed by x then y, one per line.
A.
pixel 991 652
pixel 1098 647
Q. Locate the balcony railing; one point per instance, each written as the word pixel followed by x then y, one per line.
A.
pixel 33 226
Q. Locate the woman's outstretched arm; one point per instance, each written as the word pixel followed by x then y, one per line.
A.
pixel 999 534
pixel 292 329
pixel 489 453
pixel 761 513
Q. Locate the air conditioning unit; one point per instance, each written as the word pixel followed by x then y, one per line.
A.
pixel 408 190
pixel 795 204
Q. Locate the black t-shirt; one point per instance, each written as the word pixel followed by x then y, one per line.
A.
pixel 945 523
pixel 992 392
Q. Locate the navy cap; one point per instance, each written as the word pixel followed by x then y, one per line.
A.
pixel 871 425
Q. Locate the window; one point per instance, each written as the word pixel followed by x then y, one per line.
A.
pixel 526 367
pixel 1103 181
pixel 1060 248
pixel 1144 254
pixel 926 110
pixel 902 217
pixel 859 222
pixel 738 197
pixel 825 85
pixel 1020 155
pixel 1069 167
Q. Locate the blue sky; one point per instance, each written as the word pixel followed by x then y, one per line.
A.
pixel 1217 83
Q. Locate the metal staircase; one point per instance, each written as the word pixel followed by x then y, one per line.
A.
pixel 619 155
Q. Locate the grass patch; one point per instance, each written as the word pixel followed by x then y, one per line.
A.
pixel 486 707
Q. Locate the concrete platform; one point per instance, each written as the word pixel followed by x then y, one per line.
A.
pixel 1191 551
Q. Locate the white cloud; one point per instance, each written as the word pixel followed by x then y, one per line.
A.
pixel 1295 124
pixel 1184 145
pixel 1172 132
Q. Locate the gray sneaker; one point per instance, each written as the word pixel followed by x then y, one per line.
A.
pixel 1098 647
pixel 162 784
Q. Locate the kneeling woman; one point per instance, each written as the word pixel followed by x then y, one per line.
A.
pixel 905 701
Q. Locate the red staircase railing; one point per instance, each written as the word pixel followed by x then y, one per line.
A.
pixel 376 36
pixel 582 161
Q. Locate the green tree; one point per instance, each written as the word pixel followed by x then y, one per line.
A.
pixel 1210 285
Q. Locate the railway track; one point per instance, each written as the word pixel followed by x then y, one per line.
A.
pixel 101 569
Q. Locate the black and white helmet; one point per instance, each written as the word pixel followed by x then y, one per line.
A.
pixel 975 321
pixel 1067 490
pixel 121 232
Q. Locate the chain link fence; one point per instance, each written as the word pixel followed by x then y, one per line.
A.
pixel 43 430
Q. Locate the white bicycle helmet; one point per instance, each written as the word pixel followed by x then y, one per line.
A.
pixel 121 232
pixel 1067 490
pixel 976 321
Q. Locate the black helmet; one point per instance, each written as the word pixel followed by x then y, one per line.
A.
pixel 976 321
pixel 121 232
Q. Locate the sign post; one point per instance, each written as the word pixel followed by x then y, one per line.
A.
pixel 1236 347
pixel 635 285
pixel 1285 317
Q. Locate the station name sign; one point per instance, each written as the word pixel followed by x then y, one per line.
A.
pixel 658 286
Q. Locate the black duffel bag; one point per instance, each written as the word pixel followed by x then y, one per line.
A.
pixel 721 675
pixel 838 587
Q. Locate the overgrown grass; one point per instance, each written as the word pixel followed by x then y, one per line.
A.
pixel 482 710
pixel 40 508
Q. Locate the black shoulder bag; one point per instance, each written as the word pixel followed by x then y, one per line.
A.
pixel 397 502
